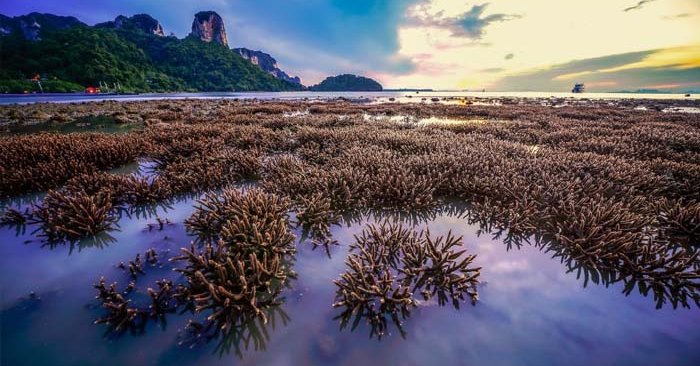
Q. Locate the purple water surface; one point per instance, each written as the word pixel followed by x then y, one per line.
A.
pixel 530 312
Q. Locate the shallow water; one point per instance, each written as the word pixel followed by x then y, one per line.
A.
pixel 531 311
pixel 417 121
pixel 105 124
pixel 384 96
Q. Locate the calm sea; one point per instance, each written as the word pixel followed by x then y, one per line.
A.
pixel 376 96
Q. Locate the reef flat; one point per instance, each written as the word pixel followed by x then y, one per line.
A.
pixel 610 189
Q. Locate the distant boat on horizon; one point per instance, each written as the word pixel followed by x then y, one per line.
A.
pixel 579 88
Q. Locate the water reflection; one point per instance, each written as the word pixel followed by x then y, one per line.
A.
pixel 23 217
pixel 15 219
pixel 246 333
pixel 98 241
pixel 416 217
pixel 378 321
pixel 97 123
pixel 390 264
pixel 669 281
pixel 529 300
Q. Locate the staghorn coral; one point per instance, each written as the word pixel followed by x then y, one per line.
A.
pixel 13 217
pixel 251 222
pixel 73 216
pixel 244 265
pixel 120 315
pixel 43 161
pixel 438 269
pixel 163 300
pixel 315 216
pixel 680 219
pixel 389 263
pixel 613 188
pixel 230 283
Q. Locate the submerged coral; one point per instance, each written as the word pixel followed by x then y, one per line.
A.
pixel 608 187
pixel 388 264
pixel 74 215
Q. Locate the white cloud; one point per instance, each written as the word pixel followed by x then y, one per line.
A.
pixel 546 33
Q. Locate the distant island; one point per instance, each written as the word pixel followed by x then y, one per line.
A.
pixel 51 53
pixel 347 82
pixel 644 91
pixel 409 90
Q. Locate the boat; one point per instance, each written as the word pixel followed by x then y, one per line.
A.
pixel 579 88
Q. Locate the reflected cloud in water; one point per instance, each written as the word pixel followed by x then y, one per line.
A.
pixel 527 298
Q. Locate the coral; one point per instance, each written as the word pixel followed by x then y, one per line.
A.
pixel 680 219
pixel 73 216
pixel 610 189
pixel 388 264
pixel 250 222
pixel 229 283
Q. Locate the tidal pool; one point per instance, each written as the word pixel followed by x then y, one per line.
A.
pixel 532 310
pixel 106 124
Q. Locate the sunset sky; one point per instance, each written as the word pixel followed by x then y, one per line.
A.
pixel 446 44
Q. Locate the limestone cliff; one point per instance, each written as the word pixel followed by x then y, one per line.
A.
pixel 141 22
pixel 267 63
pixel 209 27
pixel 31 25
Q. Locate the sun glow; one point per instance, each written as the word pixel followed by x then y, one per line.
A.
pixel 518 37
pixel 674 58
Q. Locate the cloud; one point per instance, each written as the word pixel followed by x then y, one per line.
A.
pixel 675 58
pixel 470 24
pixel 432 43
pixel 677 16
pixel 331 36
pixel 492 70
pixel 634 70
pixel 638 6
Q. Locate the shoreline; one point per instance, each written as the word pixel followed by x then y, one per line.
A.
pixel 399 96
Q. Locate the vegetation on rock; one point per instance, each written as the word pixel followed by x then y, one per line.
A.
pixel 347 82
pixel 132 60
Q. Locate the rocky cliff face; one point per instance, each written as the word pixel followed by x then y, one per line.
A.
pixel 267 63
pixel 209 27
pixel 31 25
pixel 141 22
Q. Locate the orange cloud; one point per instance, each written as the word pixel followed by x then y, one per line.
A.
pixel 680 58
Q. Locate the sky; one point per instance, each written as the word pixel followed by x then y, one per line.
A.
pixel 499 45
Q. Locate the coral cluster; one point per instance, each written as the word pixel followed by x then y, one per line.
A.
pixel 610 188
pixel 235 277
pixel 122 313
pixel 389 264
pixel 245 263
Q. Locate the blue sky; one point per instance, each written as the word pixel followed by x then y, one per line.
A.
pixel 447 44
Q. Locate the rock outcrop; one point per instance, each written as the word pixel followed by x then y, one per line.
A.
pixel 209 27
pixel 87 55
pixel 31 25
pixel 140 22
pixel 267 63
